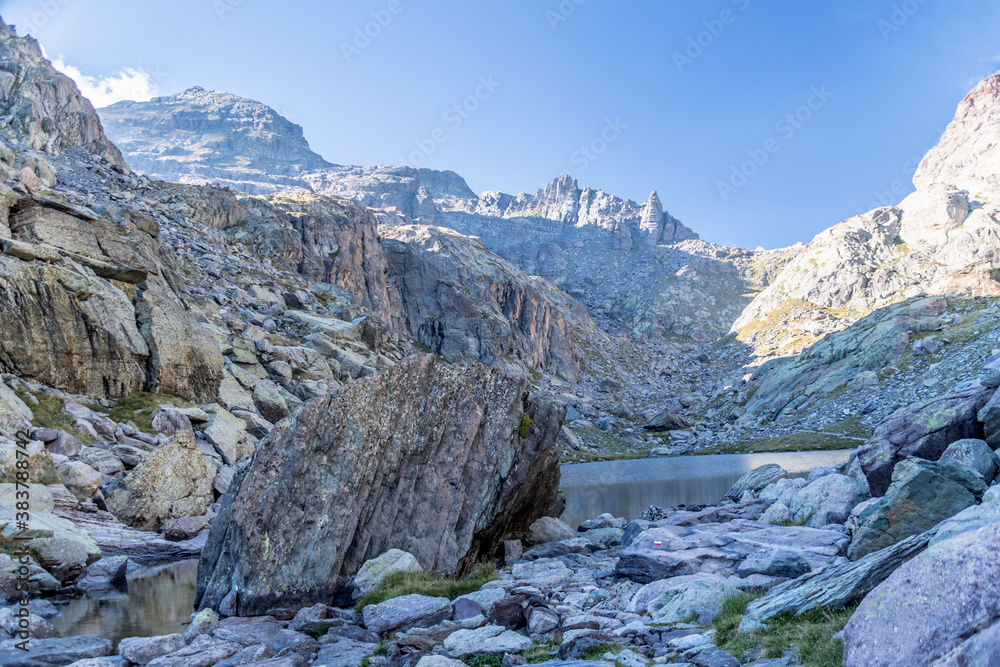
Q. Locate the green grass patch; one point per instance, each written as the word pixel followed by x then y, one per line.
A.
pixel 608 447
pixel 791 523
pixel 811 633
pixel 540 652
pixel 381 649
pixel 597 651
pixel 425 583
pixel 803 441
pixel 483 660
pixel 140 406
pixel 48 414
pixel 733 608
pixel 525 426
pixel 10 546
pixel 587 457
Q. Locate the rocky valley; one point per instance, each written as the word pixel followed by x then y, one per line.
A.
pixel 348 391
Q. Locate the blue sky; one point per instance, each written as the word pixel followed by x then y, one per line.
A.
pixel 832 102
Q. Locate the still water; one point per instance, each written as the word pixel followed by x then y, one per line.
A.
pixel 158 600
pixel 627 488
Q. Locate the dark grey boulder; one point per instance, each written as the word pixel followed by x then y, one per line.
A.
pixel 930 605
pixel 922 494
pixel 443 461
pixel 923 429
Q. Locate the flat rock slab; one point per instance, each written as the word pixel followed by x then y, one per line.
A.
pixel 344 653
pixel 54 652
pixel 669 551
pixel 492 639
pixel 405 612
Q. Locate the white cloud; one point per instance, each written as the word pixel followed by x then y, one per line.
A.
pixel 128 84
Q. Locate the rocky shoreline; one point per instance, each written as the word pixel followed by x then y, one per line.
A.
pixel 643 592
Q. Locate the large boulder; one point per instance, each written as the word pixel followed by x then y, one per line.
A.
pixel 930 605
pixel 695 597
pixel 173 482
pixel 41 468
pixel 979 649
pixel 756 479
pixel 836 495
pixel 548 529
pixel 442 461
pixel 976 454
pixel 923 429
pixel 374 572
pixel 405 612
pixel 922 494
pixel 971 518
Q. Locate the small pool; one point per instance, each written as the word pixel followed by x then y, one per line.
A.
pixel 159 600
pixel 627 488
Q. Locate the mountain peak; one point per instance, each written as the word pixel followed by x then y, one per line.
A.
pixel 966 155
pixel 42 107
pixel 200 136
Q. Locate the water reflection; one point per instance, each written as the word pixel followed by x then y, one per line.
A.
pixel 627 488
pixel 159 599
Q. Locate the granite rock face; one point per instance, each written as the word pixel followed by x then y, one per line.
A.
pixel 631 262
pixel 31 89
pixel 944 239
pixel 200 136
pixel 443 461
pixel 922 494
pixel 923 429
pixel 465 303
pixel 930 605
pixel 173 482
pixel 106 290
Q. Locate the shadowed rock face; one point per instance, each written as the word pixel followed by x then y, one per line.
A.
pixel 924 429
pixel 443 461
pixel 466 304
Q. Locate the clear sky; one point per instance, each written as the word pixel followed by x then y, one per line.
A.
pixel 668 95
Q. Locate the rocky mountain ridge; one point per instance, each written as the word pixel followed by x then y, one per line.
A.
pixel 646 282
pixel 202 137
pixel 942 240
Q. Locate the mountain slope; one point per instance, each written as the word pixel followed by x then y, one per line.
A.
pixel 41 108
pixel 201 136
pixel 635 267
pixel 944 239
